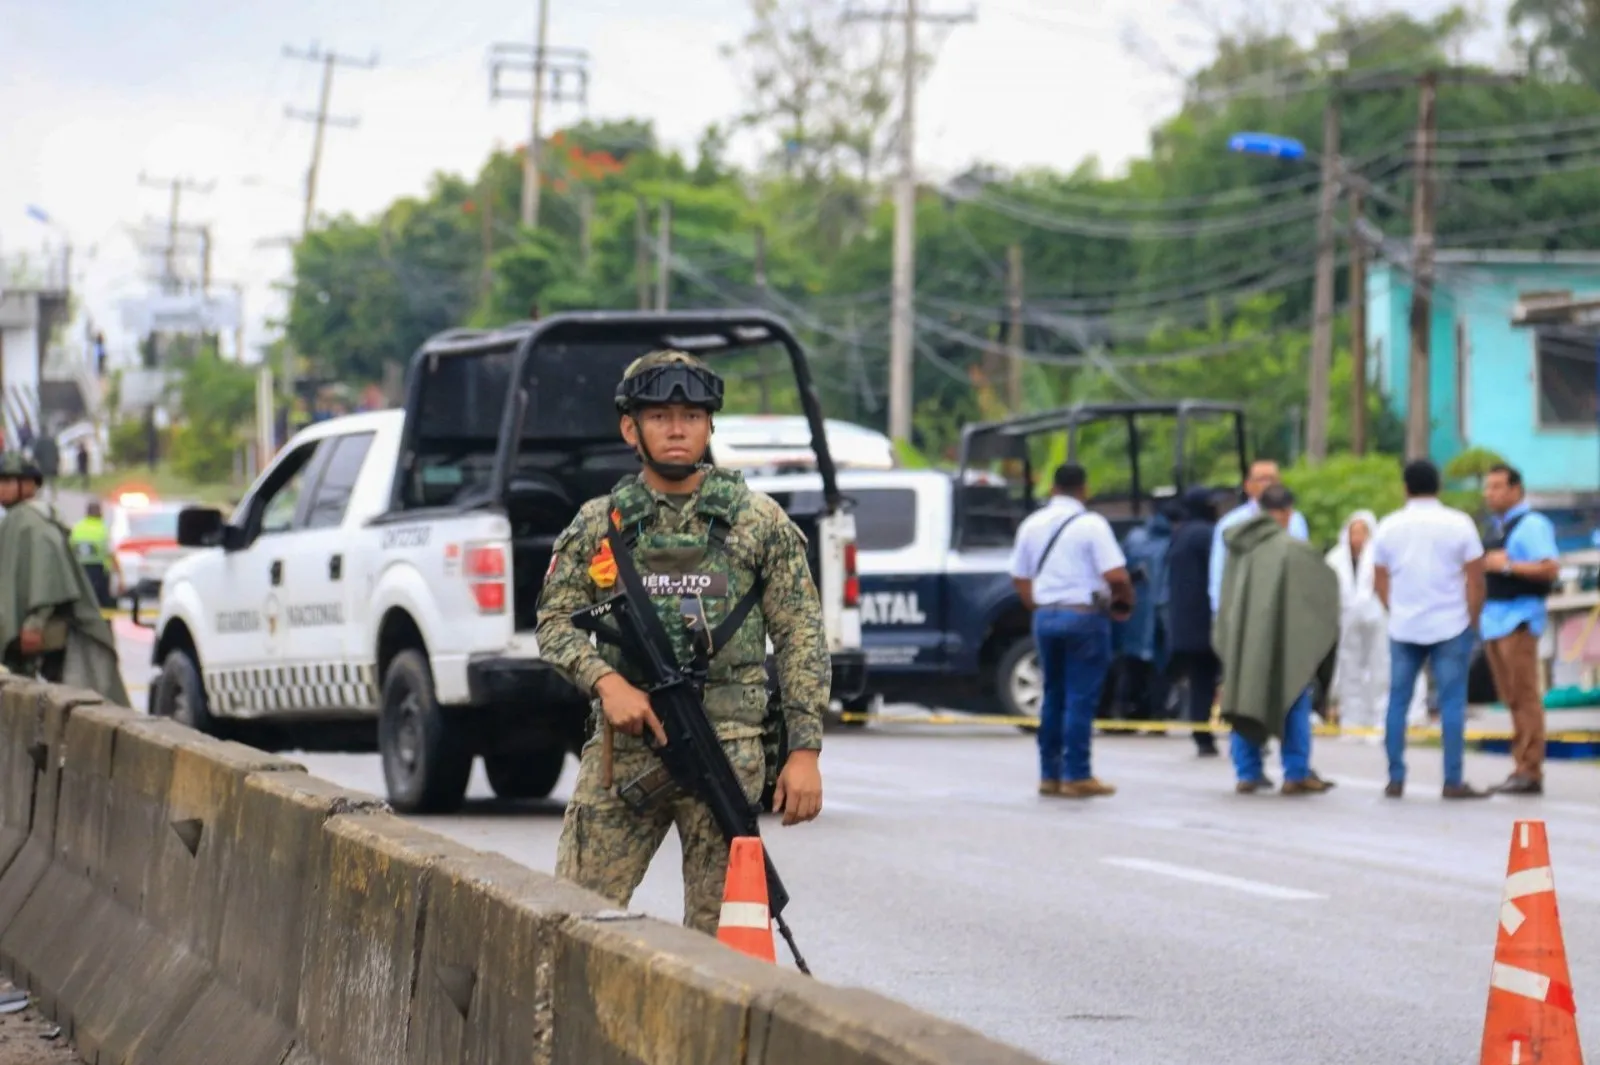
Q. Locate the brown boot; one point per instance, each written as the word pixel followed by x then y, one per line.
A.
pixel 1250 787
pixel 1049 787
pixel 1311 785
pixel 1084 789
pixel 1464 791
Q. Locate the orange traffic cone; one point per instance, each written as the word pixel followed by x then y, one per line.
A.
pixel 1531 1017
pixel 746 923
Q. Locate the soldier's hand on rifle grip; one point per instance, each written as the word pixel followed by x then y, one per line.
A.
pixel 627 708
pixel 798 794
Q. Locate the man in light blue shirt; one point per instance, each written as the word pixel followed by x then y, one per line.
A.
pixel 1521 565
pixel 1263 473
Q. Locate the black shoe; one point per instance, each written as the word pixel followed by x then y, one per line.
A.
pixel 1463 791
pixel 1395 789
pixel 1515 785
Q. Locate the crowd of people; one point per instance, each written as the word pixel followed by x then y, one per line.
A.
pixel 1241 618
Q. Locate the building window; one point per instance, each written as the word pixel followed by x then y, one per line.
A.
pixel 1568 395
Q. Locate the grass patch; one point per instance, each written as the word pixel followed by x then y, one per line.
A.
pixel 161 481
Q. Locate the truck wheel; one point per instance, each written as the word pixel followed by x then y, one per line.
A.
pixel 426 761
pixel 525 774
pixel 180 693
pixel 1018 683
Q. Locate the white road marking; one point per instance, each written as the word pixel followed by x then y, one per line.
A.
pixel 1202 876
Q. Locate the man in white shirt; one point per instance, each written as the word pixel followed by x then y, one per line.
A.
pixel 1071 573
pixel 1428 573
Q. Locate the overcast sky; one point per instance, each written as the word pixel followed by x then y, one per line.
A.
pixel 94 92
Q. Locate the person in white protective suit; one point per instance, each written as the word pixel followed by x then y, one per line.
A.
pixel 1361 676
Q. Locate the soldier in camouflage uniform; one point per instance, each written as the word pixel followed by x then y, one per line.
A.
pixel 699 536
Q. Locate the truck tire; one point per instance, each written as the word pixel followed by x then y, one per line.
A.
pixel 525 774
pixel 426 760
pixel 1018 684
pixel 180 693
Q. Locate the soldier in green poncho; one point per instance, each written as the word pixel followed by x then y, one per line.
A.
pixel 50 622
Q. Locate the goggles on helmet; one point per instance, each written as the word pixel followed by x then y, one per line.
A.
pixel 672 383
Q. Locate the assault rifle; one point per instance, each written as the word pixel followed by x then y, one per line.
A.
pixel 693 755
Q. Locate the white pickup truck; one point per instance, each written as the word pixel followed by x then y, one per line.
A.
pixel 386 567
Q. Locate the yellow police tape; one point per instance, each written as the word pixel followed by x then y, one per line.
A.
pixel 1216 725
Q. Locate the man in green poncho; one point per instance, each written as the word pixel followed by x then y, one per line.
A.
pixel 1276 629
pixel 50 621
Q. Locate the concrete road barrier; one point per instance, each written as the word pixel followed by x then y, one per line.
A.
pixel 174 899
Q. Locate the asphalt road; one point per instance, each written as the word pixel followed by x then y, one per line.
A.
pixel 1173 922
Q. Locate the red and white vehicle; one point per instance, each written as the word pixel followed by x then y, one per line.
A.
pixel 144 540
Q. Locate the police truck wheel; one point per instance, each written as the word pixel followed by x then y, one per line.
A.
pixel 525 774
pixel 180 694
pixel 426 761
pixel 1019 684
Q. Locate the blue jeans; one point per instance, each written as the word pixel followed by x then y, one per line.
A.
pixel 1295 747
pixel 1450 659
pixel 1074 655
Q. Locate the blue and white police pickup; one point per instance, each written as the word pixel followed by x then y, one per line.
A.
pixel 941 625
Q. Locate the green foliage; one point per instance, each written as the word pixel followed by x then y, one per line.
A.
pixel 218 399
pixel 1328 494
pixel 1189 277
pixel 128 442
pixel 1474 462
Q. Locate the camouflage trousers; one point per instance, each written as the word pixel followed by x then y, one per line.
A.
pixel 607 847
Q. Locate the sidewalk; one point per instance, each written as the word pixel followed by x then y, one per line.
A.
pixel 31 1038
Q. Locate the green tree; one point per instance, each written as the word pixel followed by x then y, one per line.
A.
pixel 217 399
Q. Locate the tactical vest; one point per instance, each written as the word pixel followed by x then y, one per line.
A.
pixel 697 586
pixel 1502 586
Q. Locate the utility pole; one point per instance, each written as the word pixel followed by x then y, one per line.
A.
pixel 764 374
pixel 641 252
pixel 1014 365
pixel 1358 327
pixel 177 185
pixel 664 255
pixel 1322 293
pixel 546 64
pixel 904 281
pixel 1418 405
pixel 1418 402
pixel 321 118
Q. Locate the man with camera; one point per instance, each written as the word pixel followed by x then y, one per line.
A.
pixel 1071 574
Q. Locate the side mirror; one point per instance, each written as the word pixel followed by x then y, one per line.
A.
pixel 200 527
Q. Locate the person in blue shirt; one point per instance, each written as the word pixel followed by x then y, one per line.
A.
pixel 1263 474
pixel 1521 566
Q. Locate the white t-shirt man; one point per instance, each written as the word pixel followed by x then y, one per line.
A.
pixel 1426 546
pixel 1074 571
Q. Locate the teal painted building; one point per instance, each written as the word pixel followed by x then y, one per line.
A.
pixel 1530 394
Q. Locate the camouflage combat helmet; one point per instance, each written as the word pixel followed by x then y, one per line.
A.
pixel 12 464
pixel 668 377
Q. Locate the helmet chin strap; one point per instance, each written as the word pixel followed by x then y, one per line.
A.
pixel 670 471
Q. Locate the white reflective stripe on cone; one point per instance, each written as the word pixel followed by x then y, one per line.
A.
pixel 1537 881
pixel 745 915
pixel 1534 881
pixel 1524 982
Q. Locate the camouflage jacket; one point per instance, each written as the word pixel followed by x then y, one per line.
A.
pixel 672 534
